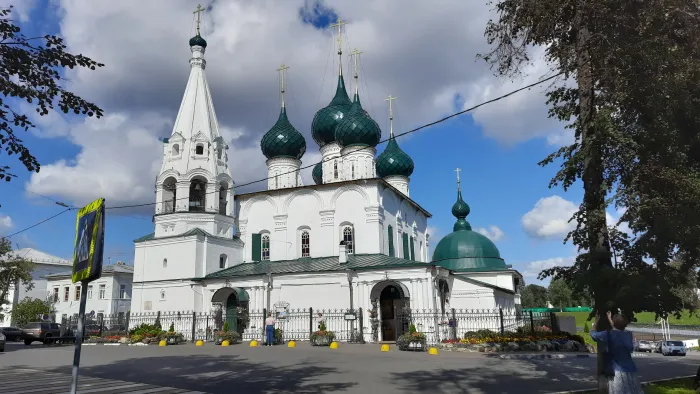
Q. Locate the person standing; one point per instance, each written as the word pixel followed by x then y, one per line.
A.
pixel 623 377
pixel 269 330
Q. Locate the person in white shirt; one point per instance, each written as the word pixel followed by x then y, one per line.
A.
pixel 269 330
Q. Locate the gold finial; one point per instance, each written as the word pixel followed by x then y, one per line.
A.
pixel 199 11
pixel 356 54
pixel 391 116
pixel 459 188
pixel 339 24
pixel 281 71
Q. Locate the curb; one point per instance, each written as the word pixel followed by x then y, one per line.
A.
pixel 540 356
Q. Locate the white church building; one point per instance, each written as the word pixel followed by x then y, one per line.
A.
pixel 352 239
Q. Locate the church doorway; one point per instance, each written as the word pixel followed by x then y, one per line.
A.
pixel 232 312
pixel 393 299
pixel 234 302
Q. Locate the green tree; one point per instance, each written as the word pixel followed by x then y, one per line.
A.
pixel 533 296
pixel 14 271
pixel 29 310
pixel 31 72
pixel 560 294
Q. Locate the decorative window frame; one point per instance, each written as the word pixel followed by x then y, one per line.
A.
pixel 265 235
pixel 341 230
pixel 225 261
pixel 300 244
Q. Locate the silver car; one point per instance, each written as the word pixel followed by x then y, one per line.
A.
pixel 676 348
pixel 644 346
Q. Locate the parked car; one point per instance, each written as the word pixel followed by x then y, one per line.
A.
pixel 644 346
pixel 12 334
pixel 675 348
pixel 2 342
pixel 44 332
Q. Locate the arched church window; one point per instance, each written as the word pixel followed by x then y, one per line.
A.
pixel 176 150
pixel 223 189
pixel 162 294
pixel 305 244
pixel 265 247
pixel 219 152
pixel 277 181
pixel 199 149
pixel 353 170
pixel 335 169
pixel 197 195
pixel 348 238
pixel 222 261
pixel 165 263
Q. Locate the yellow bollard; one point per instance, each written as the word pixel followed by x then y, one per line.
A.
pixel 334 345
pixel 162 343
pixel 385 348
pixel 253 343
pixel 433 351
pixel 225 343
pixel 199 343
pixel 291 344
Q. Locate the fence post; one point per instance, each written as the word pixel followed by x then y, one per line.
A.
pixel 264 316
pixel 396 323
pixel 206 330
pixel 454 325
pixel 100 323
pixel 311 322
pixel 157 323
pixel 555 324
pixel 194 324
pixel 500 312
pixel 362 330
pixel 126 324
pixel 532 323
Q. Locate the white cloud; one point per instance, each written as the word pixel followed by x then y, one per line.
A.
pixel 20 8
pixel 433 233
pixel 549 218
pixel 5 224
pixel 532 269
pixel 141 86
pixel 492 232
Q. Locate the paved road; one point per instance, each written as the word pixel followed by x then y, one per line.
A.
pixel 349 369
pixel 25 381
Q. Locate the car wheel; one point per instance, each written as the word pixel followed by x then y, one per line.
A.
pixel 2 349
pixel 47 341
pixel 27 342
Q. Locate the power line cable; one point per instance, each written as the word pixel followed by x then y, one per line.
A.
pixel 397 135
pixel 36 224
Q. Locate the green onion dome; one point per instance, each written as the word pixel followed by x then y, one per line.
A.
pixel 358 128
pixel 394 161
pixel 326 119
pixel 198 41
pixel 317 173
pixel 283 140
pixel 464 249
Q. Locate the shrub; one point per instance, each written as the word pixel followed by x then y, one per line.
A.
pixel 172 327
pixel 322 326
pixel 411 328
pixel 226 326
pixel 585 328
pixel 148 331
pixel 230 336
pixel 404 341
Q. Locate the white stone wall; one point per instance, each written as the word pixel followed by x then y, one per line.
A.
pixel 283 172
pixel 358 162
pixel 400 182
pixel 331 161
pixel 111 303
pixel 324 211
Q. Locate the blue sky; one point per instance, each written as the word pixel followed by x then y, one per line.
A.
pixel 501 180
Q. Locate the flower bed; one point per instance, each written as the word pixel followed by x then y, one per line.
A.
pixel 108 339
pixel 413 340
pixel 322 337
pixel 231 336
pixel 488 341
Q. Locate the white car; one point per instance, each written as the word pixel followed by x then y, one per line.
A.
pixel 673 348
pixel 644 346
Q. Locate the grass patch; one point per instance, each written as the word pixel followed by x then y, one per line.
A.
pixel 676 386
pixel 642 318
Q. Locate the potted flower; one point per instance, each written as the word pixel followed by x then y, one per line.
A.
pixel 278 336
pixel 227 335
pixel 413 340
pixel 322 337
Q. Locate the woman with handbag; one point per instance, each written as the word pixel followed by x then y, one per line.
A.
pixel 618 364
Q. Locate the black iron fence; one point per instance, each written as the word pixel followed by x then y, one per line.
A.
pixel 295 324
pixel 455 323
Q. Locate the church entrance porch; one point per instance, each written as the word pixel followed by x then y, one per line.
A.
pixel 393 299
pixel 234 302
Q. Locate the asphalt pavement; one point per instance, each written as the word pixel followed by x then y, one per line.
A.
pixel 305 369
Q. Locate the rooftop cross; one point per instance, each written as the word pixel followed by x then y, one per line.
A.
pixel 391 115
pixel 356 54
pixel 458 182
pixel 281 70
pixel 199 11
pixel 339 24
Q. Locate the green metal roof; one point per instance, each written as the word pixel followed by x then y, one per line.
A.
pixel 484 284
pixel 194 231
pixel 198 40
pixel 464 249
pixel 316 264
pixel 283 140
pixel 358 128
pixel 325 120
pixel 394 161
pixel 317 173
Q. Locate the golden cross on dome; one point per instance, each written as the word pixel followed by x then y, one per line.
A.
pixel 281 70
pixel 199 11
pixel 339 24
pixel 458 170
pixel 355 54
pixel 391 115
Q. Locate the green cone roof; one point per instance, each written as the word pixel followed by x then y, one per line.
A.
pixel 317 173
pixel 198 41
pixel 394 161
pixel 283 140
pixel 358 128
pixel 464 249
pixel 327 118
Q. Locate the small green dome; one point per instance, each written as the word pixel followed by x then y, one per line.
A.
pixel 283 140
pixel 358 128
pixel 198 41
pixel 394 161
pixel 317 173
pixel 326 119
pixel 464 249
